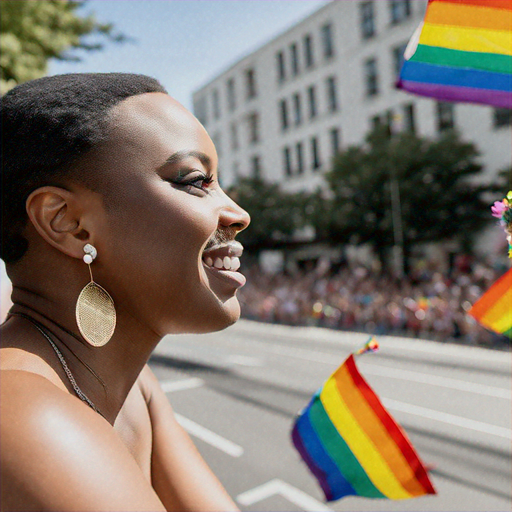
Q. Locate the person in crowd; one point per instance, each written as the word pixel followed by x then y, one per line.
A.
pixel 115 233
pixel 427 303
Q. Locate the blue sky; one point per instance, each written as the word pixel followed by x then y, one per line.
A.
pixel 184 43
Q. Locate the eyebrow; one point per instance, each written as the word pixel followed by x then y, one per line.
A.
pixel 180 155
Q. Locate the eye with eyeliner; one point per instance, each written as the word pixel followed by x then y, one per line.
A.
pixel 200 181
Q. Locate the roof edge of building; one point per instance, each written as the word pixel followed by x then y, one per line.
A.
pixel 259 47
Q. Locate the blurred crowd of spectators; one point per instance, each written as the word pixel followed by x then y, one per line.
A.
pixel 426 304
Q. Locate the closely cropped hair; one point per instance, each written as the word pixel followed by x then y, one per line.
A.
pixel 46 126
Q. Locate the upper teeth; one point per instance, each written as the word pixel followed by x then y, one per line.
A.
pixel 225 263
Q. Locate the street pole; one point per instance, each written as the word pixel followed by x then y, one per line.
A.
pixel 398 233
pixel 396 208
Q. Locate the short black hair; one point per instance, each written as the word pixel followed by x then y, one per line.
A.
pixel 46 126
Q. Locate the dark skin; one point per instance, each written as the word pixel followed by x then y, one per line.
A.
pixel 150 220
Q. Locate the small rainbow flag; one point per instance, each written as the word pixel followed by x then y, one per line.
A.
pixel 494 308
pixel 463 53
pixel 353 446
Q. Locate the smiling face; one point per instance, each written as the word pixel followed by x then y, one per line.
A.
pixel 163 207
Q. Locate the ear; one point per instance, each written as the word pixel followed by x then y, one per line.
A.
pixel 56 214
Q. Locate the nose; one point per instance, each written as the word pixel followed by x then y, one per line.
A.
pixel 234 216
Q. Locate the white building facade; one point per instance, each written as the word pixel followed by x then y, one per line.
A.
pixel 283 111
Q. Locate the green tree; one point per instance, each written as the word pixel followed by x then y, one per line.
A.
pixel 34 31
pixel 276 215
pixel 440 199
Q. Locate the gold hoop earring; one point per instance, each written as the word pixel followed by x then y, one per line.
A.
pixel 95 311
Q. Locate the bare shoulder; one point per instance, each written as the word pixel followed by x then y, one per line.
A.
pixel 58 454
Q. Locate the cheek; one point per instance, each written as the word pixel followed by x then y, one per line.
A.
pixel 155 244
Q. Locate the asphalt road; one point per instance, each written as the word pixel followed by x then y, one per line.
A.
pixel 237 392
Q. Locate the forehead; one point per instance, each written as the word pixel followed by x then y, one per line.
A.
pixel 150 127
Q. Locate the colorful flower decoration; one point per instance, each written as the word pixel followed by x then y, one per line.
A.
pixel 503 210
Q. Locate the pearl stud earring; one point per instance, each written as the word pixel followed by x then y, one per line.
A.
pixel 90 253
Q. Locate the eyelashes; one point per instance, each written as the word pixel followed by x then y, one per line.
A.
pixel 200 182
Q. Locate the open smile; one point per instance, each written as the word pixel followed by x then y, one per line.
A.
pixel 223 262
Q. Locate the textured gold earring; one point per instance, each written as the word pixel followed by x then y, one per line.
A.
pixel 95 311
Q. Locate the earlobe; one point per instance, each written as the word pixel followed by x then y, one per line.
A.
pixel 56 216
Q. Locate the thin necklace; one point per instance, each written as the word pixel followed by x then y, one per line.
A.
pixel 65 366
pixel 71 333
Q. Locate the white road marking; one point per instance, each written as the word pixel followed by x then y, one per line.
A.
pixel 392 373
pixel 347 339
pixel 450 419
pixel 292 494
pixel 434 380
pixel 209 437
pixel 177 385
pixel 244 360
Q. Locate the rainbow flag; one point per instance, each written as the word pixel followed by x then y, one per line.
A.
pixel 463 53
pixel 494 308
pixel 353 446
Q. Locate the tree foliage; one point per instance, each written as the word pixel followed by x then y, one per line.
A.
pixel 440 199
pixel 34 31
pixel 276 215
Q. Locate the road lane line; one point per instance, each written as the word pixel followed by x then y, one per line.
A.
pixel 292 494
pixel 244 360
pixel 209 437
pixel 392 373
pixel 434 380
pixel 169 386
pixel 346 339
pixel 450 419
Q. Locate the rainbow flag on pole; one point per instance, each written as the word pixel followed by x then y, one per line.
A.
pixel 494 308
pixel 462 52
pixel 353 446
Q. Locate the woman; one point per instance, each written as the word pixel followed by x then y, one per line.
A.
pixel 115 232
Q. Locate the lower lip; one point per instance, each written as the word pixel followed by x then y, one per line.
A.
pixel 228 276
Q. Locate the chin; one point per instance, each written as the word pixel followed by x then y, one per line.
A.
pixel 219 317
pixel 226 315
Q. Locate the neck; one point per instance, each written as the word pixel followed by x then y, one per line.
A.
pixel 104 374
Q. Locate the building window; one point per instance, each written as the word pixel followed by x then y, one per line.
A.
pixel 281 66
pixel 409 118
pixel 375 122
pixel 389 116
pixel 502 117
pixel 294 54
pixel 283 109
pixel 308 51
pixel 398 58
pixel 335 141
pixel 231 94
pixel 367 20
pixel 300 157
pixel 312 102
pixel 201 111
pixel 256 167
pixel 287 161
pixel 332 98
pixel 315 154
pixel 399 10
pixel 327 41
pixel 371 77
pixel 385 121
pixel 250 80
pixel 445 116
pixel 253 128
pixel 216 104
pixel 297 107
pixel 234 136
